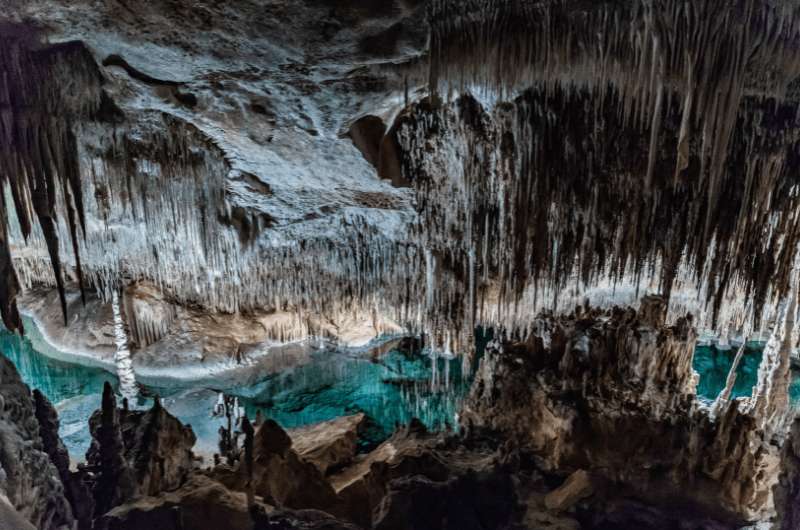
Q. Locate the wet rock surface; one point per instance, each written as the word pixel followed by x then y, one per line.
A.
pixel 488 476
pixel 136 453
pixel 610 394
pixel 29 480
pixel 328 445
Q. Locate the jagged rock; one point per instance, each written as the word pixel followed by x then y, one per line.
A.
pixel 77 492
pixel 28 479
pixel 136 453
pixel 329 444
pixel 577 486
pixel 280 476
pixel 615 397
pixel 200 504
pixel 114 482
pixel 11 519
pixel 409 451
pixel 787 490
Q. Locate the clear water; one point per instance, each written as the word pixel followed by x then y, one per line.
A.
pixel 713 366
pixel 389 391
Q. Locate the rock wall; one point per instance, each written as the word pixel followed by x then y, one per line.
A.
pixel 136 453
pixel 28 479
pixel 613 393
pixel 76 490
pixel 787 491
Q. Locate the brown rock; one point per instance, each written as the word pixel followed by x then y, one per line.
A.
pixel 280 476
pixel 138 453
pixel 330 444
pixel 363 485
pixel 615 397
pixel 200 504
pixel 577 486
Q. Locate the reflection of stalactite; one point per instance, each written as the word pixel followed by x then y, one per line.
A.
pixel 38 150
pixel 125 373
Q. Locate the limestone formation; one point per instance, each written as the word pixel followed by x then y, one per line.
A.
pixel 787 490
pixel 136 453
pixel 577 486
pixel 189 186
pixel 29 482
pixel 76 490
pixel 200 504
pixel 610 392
pixel 329 445
pixel 279 475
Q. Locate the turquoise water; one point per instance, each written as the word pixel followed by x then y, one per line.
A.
pixel 713 366
pixel 390 391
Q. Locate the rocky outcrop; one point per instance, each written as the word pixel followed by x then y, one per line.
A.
pixel 200 504
pixel 76 490
pixel 787 490
pixel 113 482
pixel 577 486
pixel 11 519
pixel 136 453
pixel 328 445
pixel 280 477
pixel 447 484
pixel 612 393
pixel 28 479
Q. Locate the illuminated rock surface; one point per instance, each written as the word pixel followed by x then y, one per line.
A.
pixel 271 205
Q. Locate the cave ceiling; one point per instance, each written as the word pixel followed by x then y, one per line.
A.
pixel 455 162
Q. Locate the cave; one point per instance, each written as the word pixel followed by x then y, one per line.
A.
pixel 400 265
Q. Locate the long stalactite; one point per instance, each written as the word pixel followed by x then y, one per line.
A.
pixel 643 144
pixel 44 91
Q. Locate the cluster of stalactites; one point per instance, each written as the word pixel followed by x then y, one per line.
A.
pixel 43 91
pixel 160 210
pixel 543 199
pixel 638 135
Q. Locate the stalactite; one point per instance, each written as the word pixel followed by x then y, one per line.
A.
pixel 550 189
pixel 769 403
pixel 557 186
pixel 44 90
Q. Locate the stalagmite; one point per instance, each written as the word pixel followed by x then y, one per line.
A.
pixel 115 481
pixel 724 397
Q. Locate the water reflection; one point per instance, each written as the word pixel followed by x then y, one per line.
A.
pixel 713 366
pixel 390 391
